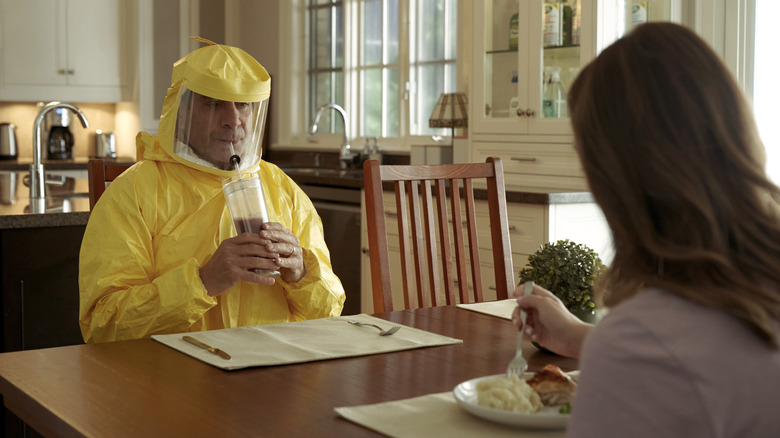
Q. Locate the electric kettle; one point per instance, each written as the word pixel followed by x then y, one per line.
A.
pixel 8 150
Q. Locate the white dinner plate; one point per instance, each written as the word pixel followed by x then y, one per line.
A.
pixel 547 418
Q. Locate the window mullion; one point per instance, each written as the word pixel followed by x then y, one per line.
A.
pixel 405 36
pixel 352 56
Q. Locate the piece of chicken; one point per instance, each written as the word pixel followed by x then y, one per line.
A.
pixel 554 386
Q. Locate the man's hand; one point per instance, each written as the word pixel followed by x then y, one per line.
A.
pixel 235 260
pixel 288 249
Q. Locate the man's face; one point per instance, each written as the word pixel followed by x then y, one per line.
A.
pixel 214 125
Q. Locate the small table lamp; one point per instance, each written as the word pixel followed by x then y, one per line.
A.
pixel 450 112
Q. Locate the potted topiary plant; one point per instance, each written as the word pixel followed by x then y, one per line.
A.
pixel 569 270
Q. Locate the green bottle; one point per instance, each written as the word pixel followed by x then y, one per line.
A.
pixel 513 32
pixel 567 23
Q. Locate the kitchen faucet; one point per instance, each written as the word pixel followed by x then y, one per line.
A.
pixel 37 178
pixel 346 156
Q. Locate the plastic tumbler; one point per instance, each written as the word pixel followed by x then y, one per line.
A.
pixel 246 204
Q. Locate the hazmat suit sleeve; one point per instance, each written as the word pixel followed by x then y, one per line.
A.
pixel 120 289
pixel 320 293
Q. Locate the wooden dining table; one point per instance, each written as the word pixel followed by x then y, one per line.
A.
pixel 142 388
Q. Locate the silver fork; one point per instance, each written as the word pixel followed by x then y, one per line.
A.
pixel 518 365
pixel 382 332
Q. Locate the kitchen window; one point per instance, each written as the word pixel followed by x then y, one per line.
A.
pixel 384 61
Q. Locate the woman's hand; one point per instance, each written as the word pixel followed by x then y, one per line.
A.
pixel 549 323
pixel 289 254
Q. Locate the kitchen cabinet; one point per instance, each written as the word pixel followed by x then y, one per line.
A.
pixel 68 50
pixel 543 218
pixel 519 53
pixel 40 287
pixel 40 303
pixel 510 76
pixel 512 114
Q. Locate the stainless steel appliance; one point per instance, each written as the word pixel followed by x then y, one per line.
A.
pixel 59 140
pixel 105 145
pixel 8 148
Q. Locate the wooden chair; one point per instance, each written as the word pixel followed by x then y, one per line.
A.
pixel 99 173
pixel 417 228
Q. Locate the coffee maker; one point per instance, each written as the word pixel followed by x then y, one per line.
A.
pixel 59 139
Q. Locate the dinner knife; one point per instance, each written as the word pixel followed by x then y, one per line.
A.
pixel 211 349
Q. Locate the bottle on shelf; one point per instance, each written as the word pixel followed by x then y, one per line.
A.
pixel 567 9
pixel 554 102
pixel 576 22
pixel 513 32
pixel 638 13
pixel 552 23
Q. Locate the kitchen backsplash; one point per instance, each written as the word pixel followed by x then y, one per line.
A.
pixel 22 114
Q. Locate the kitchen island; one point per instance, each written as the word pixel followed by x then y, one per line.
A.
pixel 40 261
pixel 39 254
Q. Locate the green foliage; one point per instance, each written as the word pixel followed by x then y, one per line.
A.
pixel 568 270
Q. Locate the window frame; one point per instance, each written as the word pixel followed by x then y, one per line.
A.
pixel 293 128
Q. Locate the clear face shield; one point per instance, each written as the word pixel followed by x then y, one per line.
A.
pixel 210 131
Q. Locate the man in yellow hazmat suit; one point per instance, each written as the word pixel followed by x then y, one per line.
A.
pixel 160 253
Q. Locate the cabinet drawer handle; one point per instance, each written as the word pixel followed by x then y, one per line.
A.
pixel 392 215
pixel 520 112
pixel 530 113
pixel 512 228
pixel 71 71
pixel 62 71
pixel 524 159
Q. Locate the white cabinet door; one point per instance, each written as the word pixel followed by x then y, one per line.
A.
pixel 61 50
pixel 93 43
pixel 30 42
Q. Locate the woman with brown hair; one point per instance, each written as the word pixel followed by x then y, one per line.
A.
pixel 673 158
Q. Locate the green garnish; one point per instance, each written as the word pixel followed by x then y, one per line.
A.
pixel 565 409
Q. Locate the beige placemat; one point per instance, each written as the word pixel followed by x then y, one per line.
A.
pixel 434 415
pixel 302 341
pixel 502 308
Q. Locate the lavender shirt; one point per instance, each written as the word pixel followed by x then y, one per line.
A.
pixel 661 366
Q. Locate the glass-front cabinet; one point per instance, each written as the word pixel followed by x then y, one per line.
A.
pixel 525 56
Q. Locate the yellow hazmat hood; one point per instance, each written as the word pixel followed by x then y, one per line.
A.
pixel 219 72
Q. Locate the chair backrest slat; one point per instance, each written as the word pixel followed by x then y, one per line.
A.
pixel 426 252
pixel 377 240
pixel 444 238
pixel 100 172
pixel 471 225
pixel 460 248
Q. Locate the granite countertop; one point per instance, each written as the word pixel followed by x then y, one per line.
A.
pixel 67 202
pixel 354 179
pixel 351 179
pixel 79 163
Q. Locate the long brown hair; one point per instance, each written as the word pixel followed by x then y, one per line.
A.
pixel 673 157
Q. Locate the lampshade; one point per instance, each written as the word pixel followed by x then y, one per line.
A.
pixel 450 111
